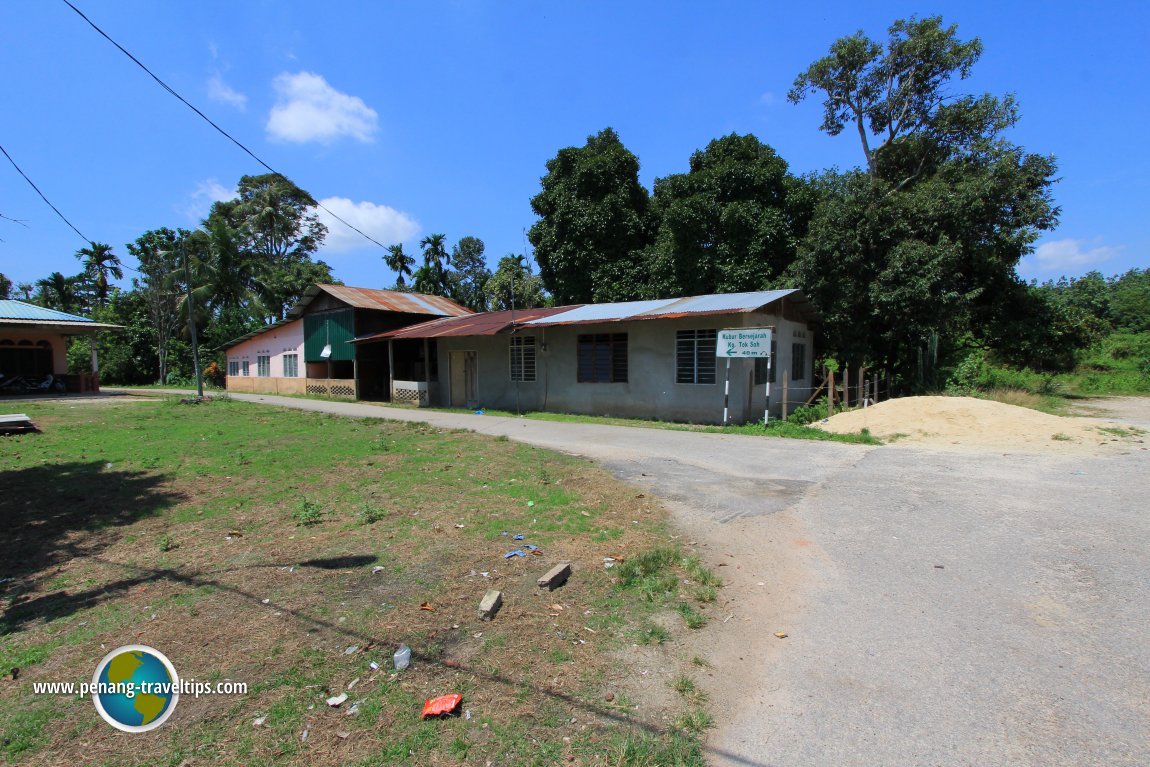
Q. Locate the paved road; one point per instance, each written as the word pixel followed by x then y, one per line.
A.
pixel 942 608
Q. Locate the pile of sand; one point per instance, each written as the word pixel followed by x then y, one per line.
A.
pixel 966 422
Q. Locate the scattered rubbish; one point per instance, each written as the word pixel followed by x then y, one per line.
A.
pixel 609 562
pixel 519 537
pixel 427 606
pixel 467 714
pixel 266 601
pixel 530 547
pixel 343 735
pixel 515 553
pixel 781 634
pixel 939 567
pixel 593 631
pixel 441 706
pixel 459 527
pixel 377 569
pixel 531 503
pixel 402 657
pixel 303 735
pixel 235 534
pixel 374 666
pixel 351 650
pixel 762 584
pixel 480 412
pixel 353 710
pixel 107 466
pixel 555 577
pixel 477 634
pixel 556 607
pixel 504 533
pixel 338 700
pixel 486 575
pixel 353 683
pixel 490 605
pixel 259 721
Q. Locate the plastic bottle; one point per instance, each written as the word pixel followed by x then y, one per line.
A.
pixel 402 657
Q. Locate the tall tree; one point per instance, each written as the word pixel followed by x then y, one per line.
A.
pixel 731 223
pixel 469 273
pixel 399 262
pixel 923 244
pixel 594 222
pixel 432 276
pixel 100 263
pixel 160 287
pixel 5 286
pixel 59 292
pixel 514 285
pixel 25 289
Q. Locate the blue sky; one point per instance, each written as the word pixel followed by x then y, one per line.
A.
pixel 412 118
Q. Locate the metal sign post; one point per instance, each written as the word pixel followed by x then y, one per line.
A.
pixel 745 343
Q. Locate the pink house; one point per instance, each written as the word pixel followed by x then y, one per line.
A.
pixel 268 361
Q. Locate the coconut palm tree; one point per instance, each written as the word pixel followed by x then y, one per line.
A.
pixel 59 292
pixel 399 262
pixel 100 263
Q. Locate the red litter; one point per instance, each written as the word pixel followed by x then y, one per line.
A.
pixel 442 705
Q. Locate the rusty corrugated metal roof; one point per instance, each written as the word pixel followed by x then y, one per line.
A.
pixel 484 324
pixel 383 300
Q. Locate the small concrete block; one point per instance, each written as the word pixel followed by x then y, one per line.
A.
pixel 490 605
pixel 556 576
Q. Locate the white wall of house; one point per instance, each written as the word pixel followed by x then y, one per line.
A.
pixel 275 344
pixel 650 391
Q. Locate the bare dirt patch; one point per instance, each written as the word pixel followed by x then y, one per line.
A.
pixel 969 423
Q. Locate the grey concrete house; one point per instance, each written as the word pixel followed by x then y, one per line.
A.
pixel 639 359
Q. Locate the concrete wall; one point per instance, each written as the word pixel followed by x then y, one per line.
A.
pixel 58 342
pixel 650 391
pixel 285 339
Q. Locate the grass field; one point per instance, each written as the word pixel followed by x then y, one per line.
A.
pixel 259 545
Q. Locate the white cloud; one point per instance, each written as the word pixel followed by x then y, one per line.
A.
pixel 220 91
pixel 308 109
pixel 199 203
pixel 1069 255
pixel 385 224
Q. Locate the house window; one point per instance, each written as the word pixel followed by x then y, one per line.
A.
pixel 602 358
pixel 246 368
pixel 695 356
pixel 798 362
pixel 233 367
pixel 764 368
pixel 291 366
pixel 522 358
pixel 263 365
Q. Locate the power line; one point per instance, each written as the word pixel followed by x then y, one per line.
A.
pixel 208 120
pixel 42 197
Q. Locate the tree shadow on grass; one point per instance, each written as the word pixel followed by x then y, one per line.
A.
pixel 53 513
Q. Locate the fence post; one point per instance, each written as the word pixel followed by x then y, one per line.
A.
pixel 847 386
pixel 830 392
pixel 785 377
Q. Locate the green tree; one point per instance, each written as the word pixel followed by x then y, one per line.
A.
pixel 59 292
pixel 100 264
pixel 160 286
pixel 399 262
pixel 594 222
pixel 924 243
pixel 514 285
pixel 5 287
pixel 432 277
pixel 1130 301
pixel 25 290
pixel 731 223
pixel 469 273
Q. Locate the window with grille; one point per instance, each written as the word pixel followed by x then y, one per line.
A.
pixel 263 365
pixel 522 358
pixel 602 358
pixel 291 366
pixel 695 356
pixel 245 366
pixel 233 367
pixel 798 362
pixel 764 370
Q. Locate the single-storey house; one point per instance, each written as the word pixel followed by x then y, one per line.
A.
pixel 309 351
pixel 34 343
pixel 642 359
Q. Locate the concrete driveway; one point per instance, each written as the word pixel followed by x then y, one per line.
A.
pixel 941 608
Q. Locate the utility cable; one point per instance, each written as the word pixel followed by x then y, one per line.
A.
pixel 207 119
pixel 42 197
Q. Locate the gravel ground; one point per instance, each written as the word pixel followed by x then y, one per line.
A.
pixel 941 608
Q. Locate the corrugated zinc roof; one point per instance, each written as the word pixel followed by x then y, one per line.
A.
pixel 721 303
pixel 18 310
pixel 382 300
pixel 485 324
